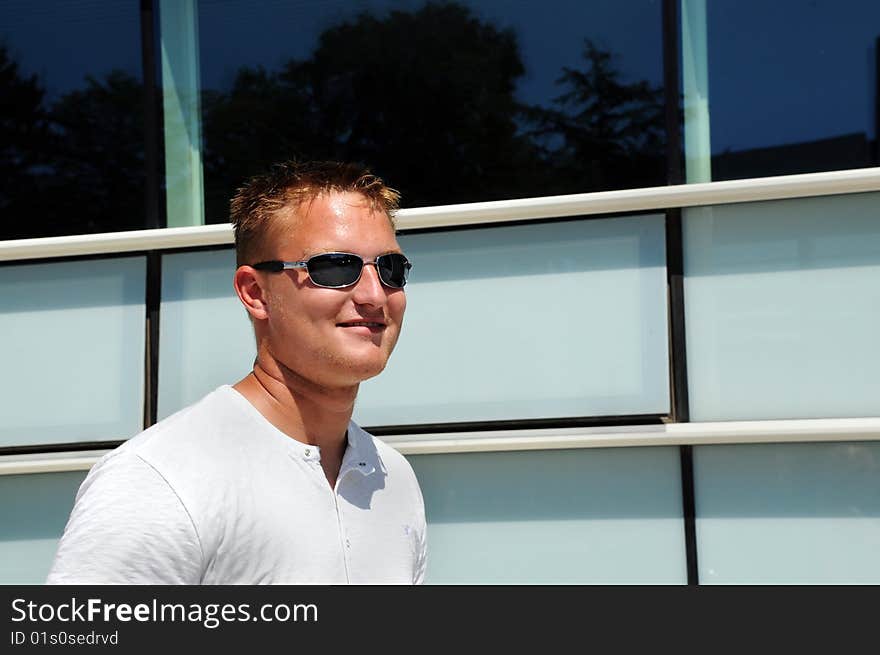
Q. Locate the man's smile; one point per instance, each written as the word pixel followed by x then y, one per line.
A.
pixel 374 327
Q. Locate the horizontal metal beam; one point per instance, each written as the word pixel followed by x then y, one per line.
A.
pixel 482 213
pixel 116 242
pixel 649 198
pixel 669 434
pixel 49 462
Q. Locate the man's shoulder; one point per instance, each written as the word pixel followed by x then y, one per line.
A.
pixel 188 452
pixel 189 432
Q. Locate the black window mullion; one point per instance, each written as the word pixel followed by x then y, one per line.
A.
pixel 154 204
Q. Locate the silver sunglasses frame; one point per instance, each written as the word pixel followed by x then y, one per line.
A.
pixel 277 266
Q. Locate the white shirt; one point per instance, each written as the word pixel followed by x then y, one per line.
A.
pixel 215 494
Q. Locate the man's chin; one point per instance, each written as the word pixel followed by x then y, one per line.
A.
pixel 365 360
pixel 365 370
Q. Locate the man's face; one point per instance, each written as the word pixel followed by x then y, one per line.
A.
pixel 317 333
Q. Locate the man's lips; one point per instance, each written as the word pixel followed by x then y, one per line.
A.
pixel 371 325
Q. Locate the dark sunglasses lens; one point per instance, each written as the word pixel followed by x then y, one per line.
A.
pixel 393 269
pixel 335 269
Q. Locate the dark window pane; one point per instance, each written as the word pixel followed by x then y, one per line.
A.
pixel 450 102
pixel 792 86
pixel 71 118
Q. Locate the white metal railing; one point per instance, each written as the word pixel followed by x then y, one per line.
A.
pixel 665 434
pixel 668 434
pixel 49 462
pixel 482 213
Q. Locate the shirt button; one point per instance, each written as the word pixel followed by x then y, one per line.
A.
pixel 308 452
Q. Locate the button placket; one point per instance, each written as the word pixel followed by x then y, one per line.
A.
pixel 309 459
pixel 343 535
pixel 312 454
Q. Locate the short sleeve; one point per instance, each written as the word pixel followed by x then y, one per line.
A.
pixel 127 526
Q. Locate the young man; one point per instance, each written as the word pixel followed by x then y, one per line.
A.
pixel 269 481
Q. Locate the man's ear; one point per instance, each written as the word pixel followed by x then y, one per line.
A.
pixel 250 291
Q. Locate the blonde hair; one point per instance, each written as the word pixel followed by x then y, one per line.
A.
pixel 287 185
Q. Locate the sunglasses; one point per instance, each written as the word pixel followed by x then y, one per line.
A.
pixel 337 270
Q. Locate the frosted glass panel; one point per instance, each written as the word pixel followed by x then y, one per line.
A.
pixel 788 513
pixel 782 304
pixel 33 512
pixel 205 338
pixel 583 516
pixel 73 334
pixel 530 321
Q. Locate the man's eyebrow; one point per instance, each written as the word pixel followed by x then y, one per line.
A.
pixel 311 252
pixel 320 251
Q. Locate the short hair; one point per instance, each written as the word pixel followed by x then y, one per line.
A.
pixel 290 183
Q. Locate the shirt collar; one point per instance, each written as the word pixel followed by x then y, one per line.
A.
pixel 361 454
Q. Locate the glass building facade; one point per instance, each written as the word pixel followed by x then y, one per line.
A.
pixel 643 318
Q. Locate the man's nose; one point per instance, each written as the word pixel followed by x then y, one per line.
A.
pixel 369 290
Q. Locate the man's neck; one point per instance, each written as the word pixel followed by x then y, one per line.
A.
pixel 308 413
